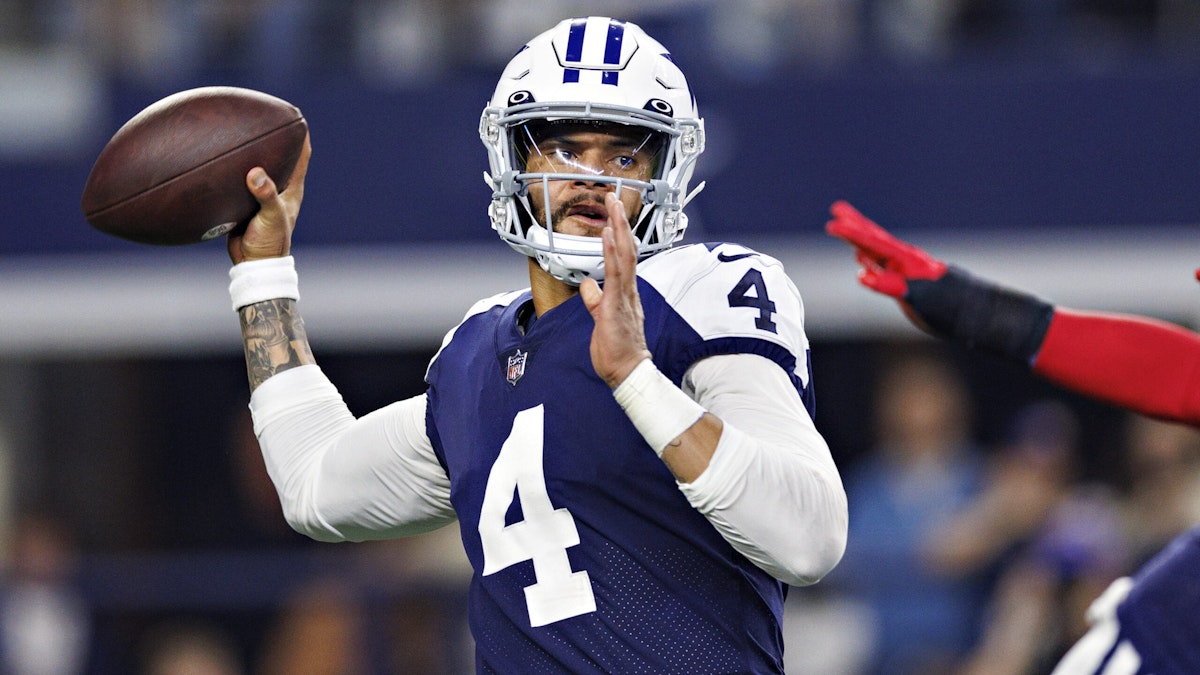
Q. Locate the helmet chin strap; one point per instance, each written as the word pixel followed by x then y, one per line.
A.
pixel 569 265
pixel 570 275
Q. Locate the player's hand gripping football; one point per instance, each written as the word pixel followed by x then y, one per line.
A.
pixel 619 338
pixel 269 233
pixel 888 264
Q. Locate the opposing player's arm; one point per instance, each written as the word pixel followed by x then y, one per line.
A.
pixel 1148 366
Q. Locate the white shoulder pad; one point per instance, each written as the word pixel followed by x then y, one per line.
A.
pixel 729 290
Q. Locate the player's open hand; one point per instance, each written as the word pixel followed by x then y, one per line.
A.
pixel 888 264
pixel 619 338
pixel 269 233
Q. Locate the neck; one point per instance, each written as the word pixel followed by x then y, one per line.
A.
pixel 547 291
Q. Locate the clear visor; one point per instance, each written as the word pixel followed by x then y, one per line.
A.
pixel 589 148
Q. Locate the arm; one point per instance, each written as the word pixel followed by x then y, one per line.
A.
pixel 338 478
pixel 684 435
pixel 1148 366
pixel 742 446
pixel 771 487
pixel 262 281
pixel 346 479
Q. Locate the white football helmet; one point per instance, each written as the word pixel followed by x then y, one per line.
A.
pixel 595 72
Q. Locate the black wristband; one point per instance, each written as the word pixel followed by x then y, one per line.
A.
pixel 981 314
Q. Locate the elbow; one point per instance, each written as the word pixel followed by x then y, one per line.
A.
pixel 798 557
pixel 818 549
pixel 308 522
pixel 314 532
pixel 818 559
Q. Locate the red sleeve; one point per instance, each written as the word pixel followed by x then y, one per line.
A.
pixel 1148 366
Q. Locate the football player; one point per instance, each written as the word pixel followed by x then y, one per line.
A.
pixel 1147 623
pixel 627 445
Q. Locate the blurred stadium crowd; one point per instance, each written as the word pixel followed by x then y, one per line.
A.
pixel 139 532
pixel 402 40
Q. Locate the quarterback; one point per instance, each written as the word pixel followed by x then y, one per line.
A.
pixel 627 446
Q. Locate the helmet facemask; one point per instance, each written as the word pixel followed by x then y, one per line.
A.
pixel 608 156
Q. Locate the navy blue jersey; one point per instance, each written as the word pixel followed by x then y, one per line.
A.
pixel 1161 614
pixel 586 556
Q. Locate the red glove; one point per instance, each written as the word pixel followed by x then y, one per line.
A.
pixel 888 263
pixel 946 301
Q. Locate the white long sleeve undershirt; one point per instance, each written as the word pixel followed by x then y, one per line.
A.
pixel 771 488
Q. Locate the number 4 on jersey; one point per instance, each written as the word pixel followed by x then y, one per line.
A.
pixel 543 536
pixel 740 297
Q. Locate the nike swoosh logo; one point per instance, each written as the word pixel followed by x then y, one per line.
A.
pixel 737 256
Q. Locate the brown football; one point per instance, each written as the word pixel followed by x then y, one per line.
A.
pixel 176 172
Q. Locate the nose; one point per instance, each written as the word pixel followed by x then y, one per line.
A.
pixel 599 186
pixel 581 181
pixel 585 178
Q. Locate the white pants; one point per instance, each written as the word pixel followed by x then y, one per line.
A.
pixel 1099 652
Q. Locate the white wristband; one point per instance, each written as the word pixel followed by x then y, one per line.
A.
pixel 659 409
pixel 257 280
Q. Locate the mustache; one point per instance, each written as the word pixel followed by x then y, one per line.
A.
pixel 564 209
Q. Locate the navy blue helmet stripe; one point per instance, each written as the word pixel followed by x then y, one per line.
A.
pixel 574 49
pixel 575 41
pixel 612 50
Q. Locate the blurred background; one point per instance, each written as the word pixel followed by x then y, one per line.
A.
pixel 1048 144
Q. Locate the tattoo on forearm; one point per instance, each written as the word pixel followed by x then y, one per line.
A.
pixel 274 339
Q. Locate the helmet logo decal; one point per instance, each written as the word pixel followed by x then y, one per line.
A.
pixel 613 42
pixel 660 106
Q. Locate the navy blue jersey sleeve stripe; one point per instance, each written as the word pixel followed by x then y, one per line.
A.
pixel 738 345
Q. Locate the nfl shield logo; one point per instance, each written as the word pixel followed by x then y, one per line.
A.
pixel 516 366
